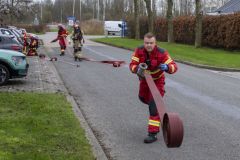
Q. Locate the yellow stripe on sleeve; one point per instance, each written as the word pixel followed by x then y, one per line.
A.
pixel 135 58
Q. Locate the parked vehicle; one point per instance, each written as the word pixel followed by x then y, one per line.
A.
pixel 12 65
pixel 5 31
pixel 8 42
pixel 18 34
pixel 114 27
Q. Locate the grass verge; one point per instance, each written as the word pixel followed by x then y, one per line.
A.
pixel 205 56
pixel 41 127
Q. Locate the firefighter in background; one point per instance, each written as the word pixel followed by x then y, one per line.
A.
pixel 25 42
pixel 78 40
pixel 158 61
pixel 33 45
pixel 61 38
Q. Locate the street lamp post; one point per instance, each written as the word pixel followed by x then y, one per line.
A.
pixel 41 10
pixel 104 7
pixel 98 9
pixel 80 10
pixel 73 7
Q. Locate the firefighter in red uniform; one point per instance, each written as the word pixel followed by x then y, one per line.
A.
pixel 158 61
pixel 25 42
pixel 61 38
pixel 33 46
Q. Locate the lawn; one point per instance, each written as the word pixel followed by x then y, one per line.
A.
pixel 188 53
pixel 40 127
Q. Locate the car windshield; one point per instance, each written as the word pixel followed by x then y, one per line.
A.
pixel 8 40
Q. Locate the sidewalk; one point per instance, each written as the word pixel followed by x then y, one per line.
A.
pixel 42 77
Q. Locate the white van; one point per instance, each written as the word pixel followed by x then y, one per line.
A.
pixel 113 27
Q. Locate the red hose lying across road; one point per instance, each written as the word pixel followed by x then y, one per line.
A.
pixel 114 63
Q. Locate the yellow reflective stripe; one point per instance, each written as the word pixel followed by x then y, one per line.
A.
pixel 158 77
pixel 154 123
pixel 173 68
pixel 152 72
pixel 133 68
pixel 168 61
pixel 135 58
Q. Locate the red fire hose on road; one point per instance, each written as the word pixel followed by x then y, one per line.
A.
pixel 115 63
pixel 172 125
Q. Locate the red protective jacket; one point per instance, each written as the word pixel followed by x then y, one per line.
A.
pixel 157 56
pixel 62 34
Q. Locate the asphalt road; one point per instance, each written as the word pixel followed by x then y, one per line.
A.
pixel 207 101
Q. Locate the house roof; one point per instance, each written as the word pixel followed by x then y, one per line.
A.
pixel 232 6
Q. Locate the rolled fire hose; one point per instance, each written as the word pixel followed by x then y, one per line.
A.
pixel 172 125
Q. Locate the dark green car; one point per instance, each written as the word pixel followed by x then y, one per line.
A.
pixel 13 64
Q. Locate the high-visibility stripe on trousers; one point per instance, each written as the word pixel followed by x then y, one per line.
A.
pixel 154 124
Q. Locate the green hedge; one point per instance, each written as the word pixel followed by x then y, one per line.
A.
pixel 218 31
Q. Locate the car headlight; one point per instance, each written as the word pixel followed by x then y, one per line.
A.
pixel 18 60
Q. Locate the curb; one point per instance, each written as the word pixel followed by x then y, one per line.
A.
pixel 208 67
pixel 96 147
pixel 97 150
pixel 185 62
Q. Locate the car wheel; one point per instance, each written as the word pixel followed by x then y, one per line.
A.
pixel 4 74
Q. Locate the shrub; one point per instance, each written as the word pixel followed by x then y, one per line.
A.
pixel 218 31
pixel 92 27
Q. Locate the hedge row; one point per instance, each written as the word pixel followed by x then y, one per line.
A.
pixel 218 31
pixel 33 28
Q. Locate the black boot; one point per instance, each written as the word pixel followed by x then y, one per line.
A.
pixel 152 137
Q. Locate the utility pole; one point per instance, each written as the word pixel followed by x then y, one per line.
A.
pixel 104 7
pixel 80 10
pixel 151 5
pixel 73 7
pixel 41 11
pixel 98 8
pixel 94 5
pixel 61 14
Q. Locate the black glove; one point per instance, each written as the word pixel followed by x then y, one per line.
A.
pixel 140 73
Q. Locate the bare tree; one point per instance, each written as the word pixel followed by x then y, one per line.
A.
pixel 12 11
pixel 170 21
pixel 136 18
pixel 150 15
pixel 198 27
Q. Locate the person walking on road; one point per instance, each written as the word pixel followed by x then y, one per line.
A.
pixel 158 61
pixel 61 38
pixel 78 40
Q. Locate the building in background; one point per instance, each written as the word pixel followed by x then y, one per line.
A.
pixel 231 7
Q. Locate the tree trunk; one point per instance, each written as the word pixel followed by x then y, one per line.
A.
pixel 136 18
pixel 170 21
pixel 150 15
pixel 198 26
